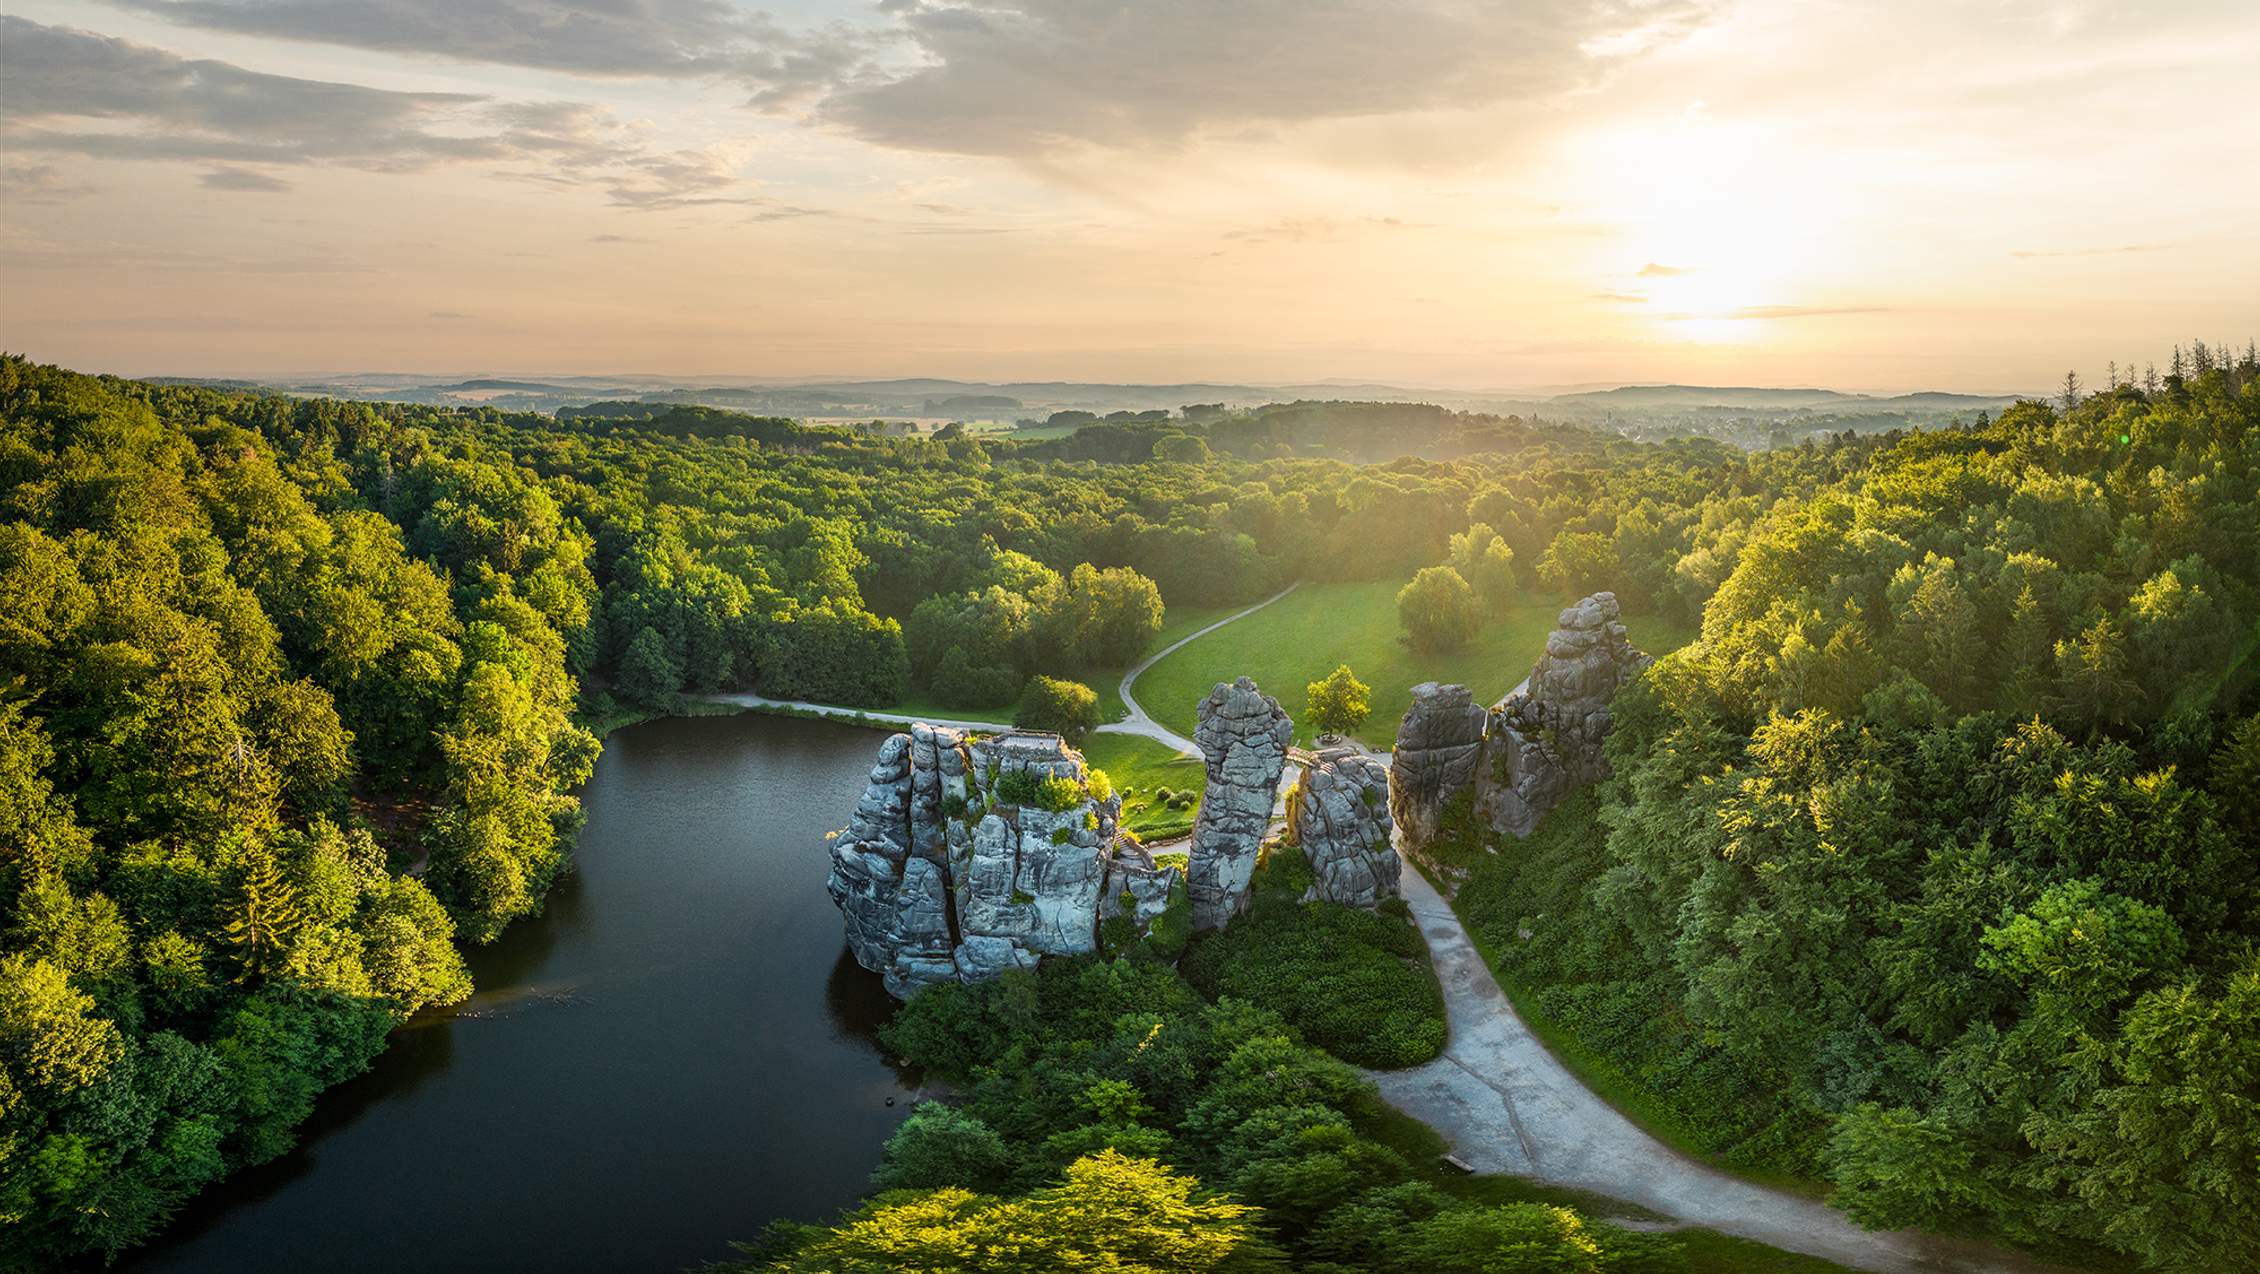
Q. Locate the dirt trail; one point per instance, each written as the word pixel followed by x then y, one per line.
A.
pixel 1507 1105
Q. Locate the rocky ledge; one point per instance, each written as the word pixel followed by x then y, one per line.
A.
pixel 1518 761
pixel 967 858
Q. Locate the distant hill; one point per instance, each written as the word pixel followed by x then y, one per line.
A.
pixel 1765 398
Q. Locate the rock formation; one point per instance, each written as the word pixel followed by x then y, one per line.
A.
pixel 1438 744
pixel 1519 760
pixel 964 859
pixel 1243 734
pixel 1338 814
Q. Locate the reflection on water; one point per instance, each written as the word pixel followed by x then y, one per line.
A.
pixel 677 1051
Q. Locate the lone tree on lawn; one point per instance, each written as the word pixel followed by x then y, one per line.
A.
pixel 1340 703
pixel 1438 610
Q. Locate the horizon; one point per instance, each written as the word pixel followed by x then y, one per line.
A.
pixel 723 379
pixel 1874 198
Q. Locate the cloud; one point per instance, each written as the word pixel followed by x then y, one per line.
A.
pixel 1787 312
pixel 787 212
pixel 243 179
pixel 1804 311
pixel 617 238
pixel 447 315
pixel 1288 230
pixel 2093 252
pixel 653 37
pixel 1657 270
pixel 1023 77
pixel 666 38
pixel 78 92
pixel 1626 298
pixel 39 183
pixel 1314 229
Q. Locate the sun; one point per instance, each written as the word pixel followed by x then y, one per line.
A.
pixel 1712 225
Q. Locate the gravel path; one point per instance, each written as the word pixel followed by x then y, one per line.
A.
pixel 852 716
pixel 1507 1105
pixel 1138 722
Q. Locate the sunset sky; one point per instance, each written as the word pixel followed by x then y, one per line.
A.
pixel 1869 194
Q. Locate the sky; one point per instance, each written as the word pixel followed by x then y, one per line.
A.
pixel 1873 195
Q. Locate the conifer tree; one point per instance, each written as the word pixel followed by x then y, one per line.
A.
pixel 264 920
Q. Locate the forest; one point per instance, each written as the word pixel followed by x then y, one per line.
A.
pixel 1927 869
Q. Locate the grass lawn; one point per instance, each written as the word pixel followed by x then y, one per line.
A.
pixel 1303 636
pixel 1137 765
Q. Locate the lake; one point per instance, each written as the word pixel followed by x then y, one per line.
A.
pixel 675 1052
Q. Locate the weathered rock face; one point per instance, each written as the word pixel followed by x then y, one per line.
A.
pixel 1339 815
pixel 959 864
pixel 1438 745
pixel 1244 734
pixel 1523 758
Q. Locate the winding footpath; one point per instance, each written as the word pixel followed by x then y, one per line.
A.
pixel 1140 723
pixel 1508 1105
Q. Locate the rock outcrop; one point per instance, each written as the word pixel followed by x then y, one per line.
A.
pixel 1438 745
pixel 1338 815
pixel 965 859
pixel 1518 761
pixel 1243 734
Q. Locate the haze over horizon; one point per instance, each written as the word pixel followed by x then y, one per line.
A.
pixel 1868 197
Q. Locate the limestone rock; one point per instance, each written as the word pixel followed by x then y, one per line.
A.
pixel 949 869
pixel 1339 815
pixel 1243 734
pixel 1520 760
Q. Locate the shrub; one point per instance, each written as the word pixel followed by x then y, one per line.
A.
pixel 1054 794
pixel 1069 709
pixel 1354 983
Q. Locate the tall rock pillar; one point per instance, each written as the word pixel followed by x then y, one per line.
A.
pixel 1243 734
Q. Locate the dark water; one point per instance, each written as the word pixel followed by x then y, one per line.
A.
pixel 675 1052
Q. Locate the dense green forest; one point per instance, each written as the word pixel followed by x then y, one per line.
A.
pixel 294 693
pixel 1114 1117
pixel 1931 868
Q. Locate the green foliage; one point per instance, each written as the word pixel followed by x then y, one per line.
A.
pixel 1578 563
pixel 214 638
pixel 1339 703
pixel 1086 1060
pixel 1069 709
pixel 1355 983
pixel 1931 867
pixel 1110 1211
pixel 941 1146
pixel 1050 793
pixel 1485 560
pixel 648 672
pixel 835 652
pixel 1438 610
